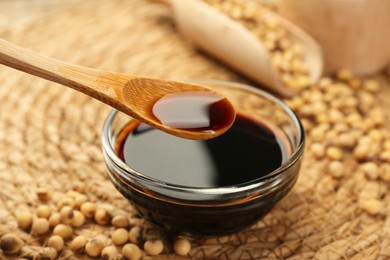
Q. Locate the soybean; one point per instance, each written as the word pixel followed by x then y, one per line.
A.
pixel 11 244
pixel 24 219
pixel 131 251
pixel 182 246
pixel 94 247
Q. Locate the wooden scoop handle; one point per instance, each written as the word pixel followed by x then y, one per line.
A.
pixel 94 83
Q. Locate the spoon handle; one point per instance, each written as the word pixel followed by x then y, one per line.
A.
pixel 105 86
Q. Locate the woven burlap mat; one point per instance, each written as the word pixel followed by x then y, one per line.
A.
pixel 50 135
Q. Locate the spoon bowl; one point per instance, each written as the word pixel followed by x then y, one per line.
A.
pixel 133 95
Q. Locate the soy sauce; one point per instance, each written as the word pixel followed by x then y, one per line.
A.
pixel 244 153
pixel 199 111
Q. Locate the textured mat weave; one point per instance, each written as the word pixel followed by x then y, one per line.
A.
pixel 50 138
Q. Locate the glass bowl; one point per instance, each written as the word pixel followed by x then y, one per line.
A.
pixel 211 211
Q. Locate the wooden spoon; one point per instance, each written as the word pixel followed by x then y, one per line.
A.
pixel 133 95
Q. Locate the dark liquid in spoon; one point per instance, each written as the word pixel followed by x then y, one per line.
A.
pixel 199 111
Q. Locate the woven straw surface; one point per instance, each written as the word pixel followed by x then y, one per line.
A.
pixel 50 135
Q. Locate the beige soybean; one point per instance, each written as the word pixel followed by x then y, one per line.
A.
pixel 78 244
pixel 40 226
pixel 373 206
pixel 56 242
pixel 66 215
pixel 109 253
pixel 334 153
pixel 102 217
pixel 24 219
pixel 318 150
pixel 182 246
pixel 371 85
pixel 94 247
pixel 120 221
pixel 88 209
pixel 79 187
pixel 371 170
pixel 54 219
pixel 78 219
pixel 362 151
pixel 344 75
pixel 63 230
pixel 120 236
pixel 135 234
pixel 153 247
pixel 346 140
pixel 336 169
pixel 376 135
pixel 131 251
pixel 79 200
pixel 44 211
pixel 11 244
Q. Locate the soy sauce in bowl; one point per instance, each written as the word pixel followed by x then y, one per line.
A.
pixel 208 187
pixel 246 152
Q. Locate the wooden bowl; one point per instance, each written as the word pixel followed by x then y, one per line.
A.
pixel 353 34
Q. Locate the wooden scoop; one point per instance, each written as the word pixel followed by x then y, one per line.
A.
pixel 232 43
pixel 133 95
